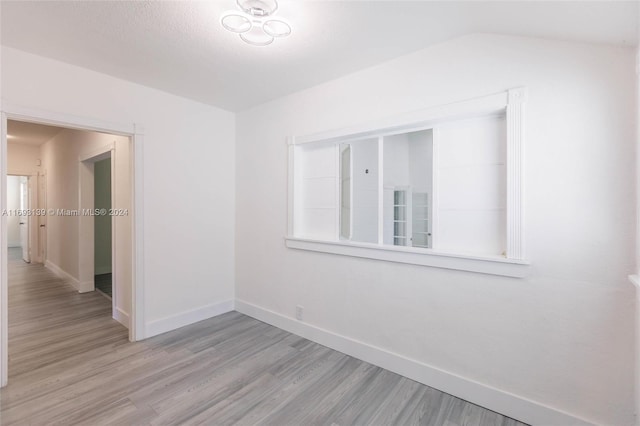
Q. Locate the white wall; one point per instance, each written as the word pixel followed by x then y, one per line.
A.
pixel 471 208
pixel 60 162
pixel 189 167
pixel 562 337
pixel 22 158
pixel 636 278
pixel 318 173
pixel 13 204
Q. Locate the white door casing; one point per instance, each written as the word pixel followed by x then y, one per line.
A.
pixel 136 134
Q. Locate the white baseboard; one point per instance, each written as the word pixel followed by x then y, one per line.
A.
pixel 503 402
pixel 173 322
pixel 62 274
pixel 635 280
pixel 86 286
pixel 121 316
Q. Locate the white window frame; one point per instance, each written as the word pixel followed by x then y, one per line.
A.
pixel 514 264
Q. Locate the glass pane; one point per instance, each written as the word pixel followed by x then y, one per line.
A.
pixel 364 190
pixel 345 191
pixel 420 240
pixel 408 181
pixel 400 213
pixel 420 198
pixel 399 241
pixel 346 194
pixel 420 226
pixel 420 211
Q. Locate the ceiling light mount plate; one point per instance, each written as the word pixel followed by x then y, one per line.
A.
pixel 254 23
pixel 259 8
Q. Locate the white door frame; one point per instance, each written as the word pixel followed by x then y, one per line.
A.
pixel 86 242
pixel 136 134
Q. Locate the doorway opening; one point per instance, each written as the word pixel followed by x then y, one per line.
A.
pixel 65 222
pixel 21 236
pixel 103 268
pixel 105 234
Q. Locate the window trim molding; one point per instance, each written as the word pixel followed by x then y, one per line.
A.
pixel 512 102
pixel 493 265
pixel 515 173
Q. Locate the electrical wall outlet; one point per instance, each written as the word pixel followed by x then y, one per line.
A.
pixel 299 312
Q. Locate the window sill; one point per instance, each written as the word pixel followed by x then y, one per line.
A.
pixel 494 265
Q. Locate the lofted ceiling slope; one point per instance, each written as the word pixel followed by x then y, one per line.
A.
pixel 181 48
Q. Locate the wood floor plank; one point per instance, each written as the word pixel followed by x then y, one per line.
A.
pixel 70 363
pixel 399 396
pixel 357 404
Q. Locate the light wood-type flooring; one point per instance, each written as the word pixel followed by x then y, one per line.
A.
pixel 70 363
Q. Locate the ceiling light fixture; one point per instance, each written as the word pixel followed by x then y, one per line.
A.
pixel 255 23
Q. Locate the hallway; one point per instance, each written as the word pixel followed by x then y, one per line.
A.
pixel 53 329
pixel 50 321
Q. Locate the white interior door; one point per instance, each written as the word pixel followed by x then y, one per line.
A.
pixel 24 219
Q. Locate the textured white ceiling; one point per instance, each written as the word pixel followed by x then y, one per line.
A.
pixel 180 47
pixel 30 133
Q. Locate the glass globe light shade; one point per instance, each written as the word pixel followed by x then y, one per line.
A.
pixel 236 23
pixel 276 28
pixel 256 36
